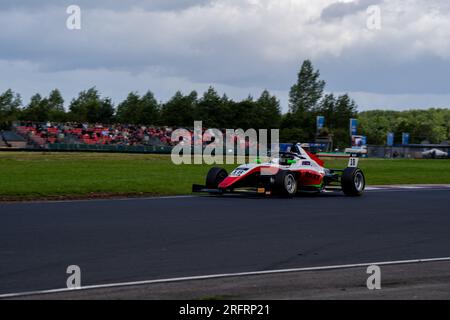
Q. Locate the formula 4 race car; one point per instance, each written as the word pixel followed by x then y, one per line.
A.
pixel 294 170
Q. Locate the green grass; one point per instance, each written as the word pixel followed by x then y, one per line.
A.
pixel 53 175
pixel 401 171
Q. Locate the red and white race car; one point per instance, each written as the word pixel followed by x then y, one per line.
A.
pixel 294 170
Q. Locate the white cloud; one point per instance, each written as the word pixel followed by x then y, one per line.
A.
pixel 28 76
pixel 248 45
pixel 371 101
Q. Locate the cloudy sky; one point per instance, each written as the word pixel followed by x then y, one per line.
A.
pixel 239 46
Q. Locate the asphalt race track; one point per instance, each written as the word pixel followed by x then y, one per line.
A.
pixel 143 239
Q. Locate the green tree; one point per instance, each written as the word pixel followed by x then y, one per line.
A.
pixel 268 112
pixel 242 114
pixel 41 109
pixel 37 110
pixel 56 106
pixel 56 101
pixel 128 110
pixel 341 138
pixel 106 111
pixel 337 113
pixel 10 103
pixel 327 109
pixel 376 124
pixel 90 107
pixel 179 110
pixel 138 110
pixel 290 132
pixel 308 90
pixel 149 109
pixel 293 135
pixel 431 125
pixel 304 98
pixel 209 109
pixel 345 109
pixel 228 114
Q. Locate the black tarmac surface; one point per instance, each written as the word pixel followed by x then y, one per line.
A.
pixel 143 239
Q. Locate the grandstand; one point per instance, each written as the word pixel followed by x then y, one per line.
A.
pixel 40 135
pixel 98 137
pixel 13 140
pixel 2 142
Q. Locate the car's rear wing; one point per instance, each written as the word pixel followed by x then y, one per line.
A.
pixel 353 161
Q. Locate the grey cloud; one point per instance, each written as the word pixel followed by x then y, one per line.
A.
pixel 206 57
pixel 427 75
pixel 149 48
pixel 342 9
pixel 34 5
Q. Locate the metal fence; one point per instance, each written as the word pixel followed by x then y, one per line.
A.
pixel 407 151
pixel 109 148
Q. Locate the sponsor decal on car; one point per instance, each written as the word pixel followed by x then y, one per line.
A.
pixel 238 172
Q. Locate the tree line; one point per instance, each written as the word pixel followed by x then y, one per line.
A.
pixel 307 100
pixel 180 111
pixel 432 125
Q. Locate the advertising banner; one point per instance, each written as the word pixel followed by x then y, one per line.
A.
pixel 320 123
pixel 390 139
pixel 405 138
pixel 353 127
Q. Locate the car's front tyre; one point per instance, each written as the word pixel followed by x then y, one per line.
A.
pixel 286 183
pixel 214 177
pixel 353 182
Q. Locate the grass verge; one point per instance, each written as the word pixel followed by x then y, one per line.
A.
pixel 29 176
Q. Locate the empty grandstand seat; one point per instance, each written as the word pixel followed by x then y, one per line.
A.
pixel 12 136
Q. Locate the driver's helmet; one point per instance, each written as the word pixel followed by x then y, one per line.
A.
pixel 290 147
pixel 285 149
pixel 296 149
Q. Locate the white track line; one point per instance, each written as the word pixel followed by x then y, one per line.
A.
pixel 216 276
pixel 407 190
pixel 389 188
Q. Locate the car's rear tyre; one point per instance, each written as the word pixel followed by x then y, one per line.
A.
pixel 286 183
pixel 214 177
pixel 353 182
